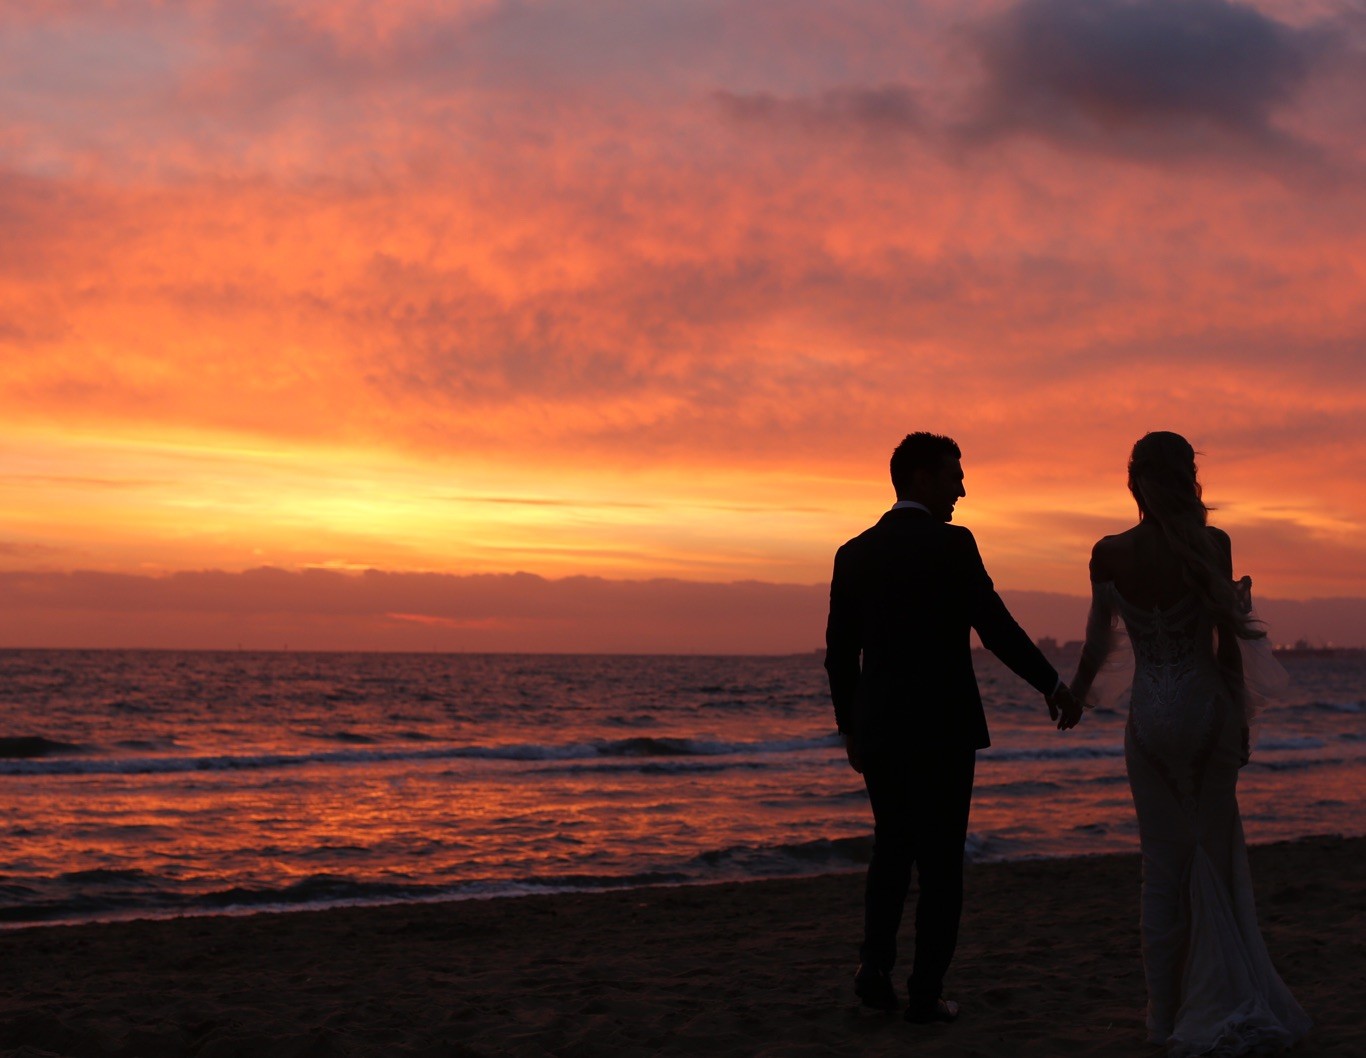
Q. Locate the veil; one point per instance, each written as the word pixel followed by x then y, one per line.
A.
pixel 1261 678
pixel 1107 644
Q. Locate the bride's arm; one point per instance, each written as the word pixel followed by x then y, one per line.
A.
pixel 1100 625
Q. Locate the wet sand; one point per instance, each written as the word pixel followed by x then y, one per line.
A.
pixel 1047 965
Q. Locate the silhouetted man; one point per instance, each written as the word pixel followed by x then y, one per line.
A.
pixel 904 596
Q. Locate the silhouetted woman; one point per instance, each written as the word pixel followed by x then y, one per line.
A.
pixel 1211 986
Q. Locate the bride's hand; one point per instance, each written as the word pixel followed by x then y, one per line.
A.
pixel 1064 708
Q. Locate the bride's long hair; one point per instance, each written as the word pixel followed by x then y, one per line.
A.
pixel 1164 485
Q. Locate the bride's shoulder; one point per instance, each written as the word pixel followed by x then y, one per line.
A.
pixel 1219 536
pixel 1223 545
pixel 1112 554
pixel 1106 556
pixel 1116 543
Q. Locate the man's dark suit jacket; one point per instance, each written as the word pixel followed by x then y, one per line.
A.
pixel 903 597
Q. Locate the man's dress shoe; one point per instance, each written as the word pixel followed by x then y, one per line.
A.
pixel 874 987
pixel 939 1010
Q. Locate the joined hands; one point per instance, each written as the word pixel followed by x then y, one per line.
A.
pixel 1064 707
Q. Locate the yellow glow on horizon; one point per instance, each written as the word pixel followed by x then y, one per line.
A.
pixel 136 504
pixel 199 502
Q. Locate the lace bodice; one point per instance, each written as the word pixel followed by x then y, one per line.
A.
pixel 1173 652
pixel 1178 701
pixel 1173 645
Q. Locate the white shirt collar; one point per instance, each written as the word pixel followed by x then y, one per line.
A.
pixel 900 505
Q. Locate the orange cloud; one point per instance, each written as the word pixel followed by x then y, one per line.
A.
pixel 316 286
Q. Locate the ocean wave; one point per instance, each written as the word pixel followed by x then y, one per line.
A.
pixel 112 894
pixel 984 848
pixel 135 895
pixel 1337 707
pixel 104 894
pixel 105 876
pixel 145 745
pixel 759 861
pixel 638 747
pixel 1071 752
pixel 656 767
pixel 353 738
pixel 559 883
pixel 693 747
pixel 25 747
pixel 115 895
pixel 1292 764
pixel 1020 786
pixel 1104 752
pixel 827 854
pixel 1291 743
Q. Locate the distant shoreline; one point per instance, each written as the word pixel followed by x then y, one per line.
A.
pixel 276 609
pixel 1065 651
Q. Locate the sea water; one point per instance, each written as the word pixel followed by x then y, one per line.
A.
pixel 152 783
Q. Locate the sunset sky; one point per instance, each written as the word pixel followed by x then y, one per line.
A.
pixel 641 291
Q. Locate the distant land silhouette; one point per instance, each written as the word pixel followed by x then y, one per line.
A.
pixel 265 609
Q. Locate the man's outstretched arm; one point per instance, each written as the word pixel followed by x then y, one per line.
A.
pixel 1003 636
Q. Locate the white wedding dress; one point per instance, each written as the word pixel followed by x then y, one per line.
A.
pixel 1211 986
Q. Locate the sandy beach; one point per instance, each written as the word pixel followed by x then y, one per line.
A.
pixel 1048 965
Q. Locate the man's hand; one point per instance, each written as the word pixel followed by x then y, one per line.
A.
pixel 851 751
pixel 1064 708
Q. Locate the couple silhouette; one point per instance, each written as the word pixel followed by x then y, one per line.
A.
pixel 904 597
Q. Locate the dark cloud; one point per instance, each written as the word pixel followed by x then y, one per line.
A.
pixel 1087 69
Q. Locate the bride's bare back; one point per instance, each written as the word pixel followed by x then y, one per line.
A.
pixel 1143 567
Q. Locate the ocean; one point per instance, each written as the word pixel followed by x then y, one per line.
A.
pixel 159 783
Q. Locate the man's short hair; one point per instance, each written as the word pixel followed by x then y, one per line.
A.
pixel 920 451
